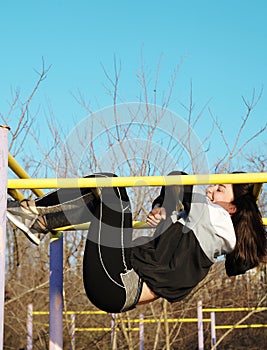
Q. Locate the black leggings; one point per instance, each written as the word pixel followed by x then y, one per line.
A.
pixel 107 250
pixel 108 245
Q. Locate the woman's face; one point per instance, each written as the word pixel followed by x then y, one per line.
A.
pixel 222 195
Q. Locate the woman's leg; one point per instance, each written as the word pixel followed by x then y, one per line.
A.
pixel 174 198
pixel 68 206
pixel 108 275
pixel 59 208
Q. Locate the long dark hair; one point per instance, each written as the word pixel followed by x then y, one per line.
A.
pixel 251 240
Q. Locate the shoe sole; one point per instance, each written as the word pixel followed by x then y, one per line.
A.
pixel 32 237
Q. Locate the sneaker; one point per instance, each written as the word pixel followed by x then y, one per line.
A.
pixel 26 222
pixel 22 224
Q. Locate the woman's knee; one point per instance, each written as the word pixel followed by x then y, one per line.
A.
pixel 177 172
pixel 104 174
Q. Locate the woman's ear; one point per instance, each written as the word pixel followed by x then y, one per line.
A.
pixel 231 208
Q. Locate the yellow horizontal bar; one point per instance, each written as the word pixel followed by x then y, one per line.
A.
pixel 106 329
pixel 242 326
pixel 103 329
pixel 230 309
pixel 169 320
pixel 99 312
pixel 85 226
pixel 138 181
pixel 77 227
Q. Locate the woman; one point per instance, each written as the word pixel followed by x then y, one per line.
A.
pixel 193 228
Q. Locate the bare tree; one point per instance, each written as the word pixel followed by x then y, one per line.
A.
pixel 130 149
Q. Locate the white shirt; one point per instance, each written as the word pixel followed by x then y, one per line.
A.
pixel 211 224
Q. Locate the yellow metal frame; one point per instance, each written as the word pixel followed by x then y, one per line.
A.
pixel 26 182
pixel 161 320
pixel 22 174
pixel 138 181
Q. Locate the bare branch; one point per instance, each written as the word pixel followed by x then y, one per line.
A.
pixel 237 324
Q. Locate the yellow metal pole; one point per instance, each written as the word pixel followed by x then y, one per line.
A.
pixel 138 181
pixel 128 181
pixel 20 172
pixel 16 194
pixel 234 309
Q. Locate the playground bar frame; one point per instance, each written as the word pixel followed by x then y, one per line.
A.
pixel 22 174
pixel 142 321
pixel 138 181
pixel 56 246
pixel 56 271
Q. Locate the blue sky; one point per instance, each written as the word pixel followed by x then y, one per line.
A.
pixel 222 44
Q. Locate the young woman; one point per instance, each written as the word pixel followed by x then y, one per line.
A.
pixel 192 228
